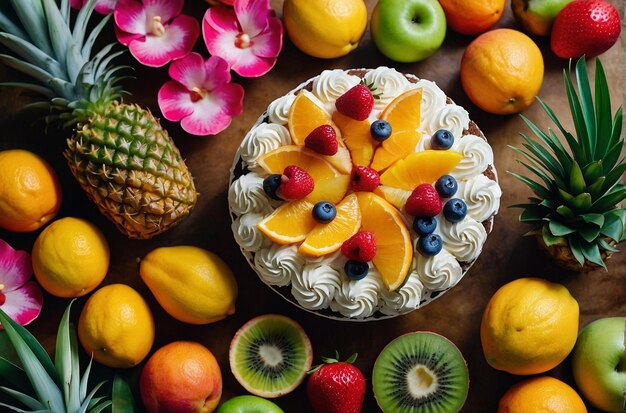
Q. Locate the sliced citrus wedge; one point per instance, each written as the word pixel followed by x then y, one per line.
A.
pixel 395 196
pixel 420 168
pixel 276 161
pixel 341 160
pixel 403 113
pixel 327 238
pixel 397 146
pixel 357 137
pixel 289 223
pixel 330 189
pixel 306 113
pixel 394 251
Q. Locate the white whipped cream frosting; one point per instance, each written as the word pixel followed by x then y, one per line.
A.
pixel 477 155
pixel 360 298
pixel 278 110
pixel 279 264
pixel 433 100
pixel 439 272
pixel 262 139
pixel 451 117
pixel 482 196
pixel 331 84
pixel 246 233
pixel 246 194
pixel 463 239
pixel 387 83
pixel 315 286
pixel 405 299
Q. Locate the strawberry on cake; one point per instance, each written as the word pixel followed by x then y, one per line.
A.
pixel 363 194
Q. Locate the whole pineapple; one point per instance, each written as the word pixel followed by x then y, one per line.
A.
pixel 119 153
pixel 576 210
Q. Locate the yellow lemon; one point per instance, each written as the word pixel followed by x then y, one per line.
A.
pixel 541 395
pixel 325 28
pixel 116 326
pixel 529 326
pixel 30 194
pixel 192 284
pixel 70 257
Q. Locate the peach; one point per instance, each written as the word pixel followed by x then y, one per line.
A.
pixel 181 377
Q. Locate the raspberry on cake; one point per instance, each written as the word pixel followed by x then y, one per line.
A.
pixel 401 196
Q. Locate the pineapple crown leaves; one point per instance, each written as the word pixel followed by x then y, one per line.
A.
pixel 44 45
pixel 54 387
pixel 577 180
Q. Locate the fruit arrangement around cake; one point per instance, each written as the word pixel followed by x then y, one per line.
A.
pixel 363 194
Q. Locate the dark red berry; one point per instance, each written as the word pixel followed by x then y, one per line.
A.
pixel 357 103
pixel 360 247
pixel 424 202
pixel 295 183
pixel 364 179
pixel 322 140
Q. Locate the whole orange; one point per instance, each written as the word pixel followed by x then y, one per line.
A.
pixel 502 71
pixel 181 377
pixel 30 194
pixel 541 395
pixel 472 16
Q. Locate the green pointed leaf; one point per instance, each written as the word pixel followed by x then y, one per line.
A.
pixel 595 219
pixel 546 159
pixel 82 21
pixel 591 252
pixel 593 171
pixel 555 174
pixel 613 227
pixel 33 20
pixel 587 104
pixel 614 176
pixel 536 188
pixel 589 233
pixel 576 249
pixel 122 397
pixel 603 111
pixel 552 142
pixel 567 197
pixel 93 36
pixel 545 178
pixel 66 361
pixel 548 203
pixel 577 151
pixel 613 156
pixel 531 215
pixel 8 20
pixel 565 212
pixel 85 405
pixel 100 407
pixel 617 127
pixel 595 189
pixel 31 87
pixel 31 54
pixel 582 202
pixel 608 201
pixel 576 180
pixel 550 239
pixel 577 116
pixel 352 358
pixel 14 375
pixel 84 381
pixel 25 399
pixel 606 246
pixel 18 410
pixel 558 229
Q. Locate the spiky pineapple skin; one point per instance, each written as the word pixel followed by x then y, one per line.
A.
pixel 130 168
pixel 562 255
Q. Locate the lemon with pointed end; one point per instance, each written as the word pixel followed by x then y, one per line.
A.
pixel 192 284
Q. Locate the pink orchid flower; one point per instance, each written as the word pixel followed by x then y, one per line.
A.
pixel 102 6
pixel 249 36
pixel 215 2
pixel 155 31
pixel 20 298
pixel 200 95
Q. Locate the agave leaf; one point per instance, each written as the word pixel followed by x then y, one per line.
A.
pixel 31 53
pixel 546 159
pixel 608 201
pixel 555 174
pixel 7 19
pixel 593 171
pixel 537 188
pixel 83 407
pixel 617 127
pixel 552 142
pixel 33 20
pixel 25 399
pixel 606 246
pixel 577 116
pixel 614 177
pixel 613 227
pixel 14 375
pixel 31 70
pixel 121 396
pixel 591 252
pixel 567 197
pixel 565 212
pixel 549 238
pixel 589 233
pixel 95 32
pixel 595 189
pixel 44 385
pixel 571 141
pixel 73 62
pixel 15 409
pixel 576 179
pixel 582 202
pixel 558 229
pixel 595 219
pixel 545 178
pixel 603 111
pixel 575 247
pixel 84 381
pixel 82 21
pixel 588 110
pixel 58 30
pixel 548 203
pixel 66 361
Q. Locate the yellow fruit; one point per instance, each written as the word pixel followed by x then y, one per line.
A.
pixel 192 284
pixel 116 326
pixel 357 137
pixel 398 146
pixel 541 395
pixel 325 28
pixel 327 238
pixel 306 113
pixel 330 189
pixel 276 161
pixel 289 223
pixel 30 194
pixel 502 71
pixel 70 257
pixel 472 16
pixel 396 197
pixel 394 251
pixel 529 326
pixel 419 168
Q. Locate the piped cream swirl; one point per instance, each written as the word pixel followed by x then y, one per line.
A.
pixel 477 155
pixel 482 196
pixel 438 272
pixel 278 264
pixel 315 286
pixel 246 194
pixel 246 233
pixel 433 100
pixel 388 84
pixel 405 299
pixel 278 110
pixel 463 239
pixel 331 84
pixel 358 299
pixel 262 139
pixel 451 117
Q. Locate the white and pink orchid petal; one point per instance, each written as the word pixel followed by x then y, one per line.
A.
pixel 214 112
pixel 77 4
pixel 220 19
pixel 130 17
pixel 242 60
pixel 175 101
pixel 177 41
pixel 269 42
pixel 189 71
pixel 125 38
pixel 15 267
pixel 217 73
pixel 24 305
pixel 165 9
pixel 252 15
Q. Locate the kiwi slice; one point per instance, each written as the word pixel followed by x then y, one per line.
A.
pixel 418 373
pixel 270 355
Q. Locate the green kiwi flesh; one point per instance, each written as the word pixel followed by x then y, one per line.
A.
pixel 270 355
pixel 420 373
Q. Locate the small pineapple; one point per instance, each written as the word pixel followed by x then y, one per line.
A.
pixel 119 153
pixel 576 210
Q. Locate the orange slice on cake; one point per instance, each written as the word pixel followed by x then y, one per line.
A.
pixel 276 161
pixel 394 251
pixel 403 114
pixel 330 189
pixel 395 196
pixel 420 168
pixel 289 223
pixel 357 137
pixel 327 238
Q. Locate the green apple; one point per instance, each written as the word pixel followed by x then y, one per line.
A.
pixel 408 30
pixel 249 404
pixel 599 363
pixel 536 16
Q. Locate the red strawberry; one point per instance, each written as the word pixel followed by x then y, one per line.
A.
pixel 295 183
pixel 424 202
pixel 322 140
pixel 356 103
pixel 336 387
pixel 360 247
pixel 585 27
pixel 364 179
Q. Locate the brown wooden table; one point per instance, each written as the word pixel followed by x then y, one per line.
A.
pixel 506 256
